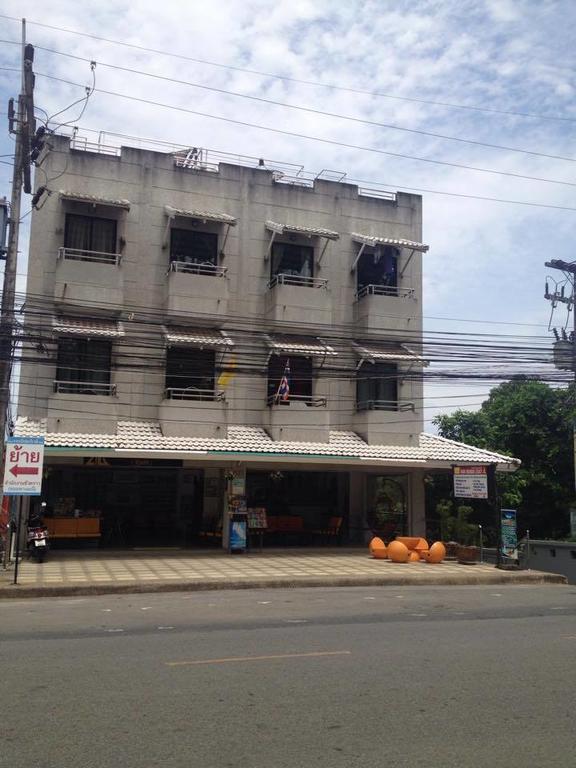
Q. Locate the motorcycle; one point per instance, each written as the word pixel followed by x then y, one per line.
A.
pixel 37 542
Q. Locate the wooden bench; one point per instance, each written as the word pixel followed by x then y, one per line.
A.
pixel 73 527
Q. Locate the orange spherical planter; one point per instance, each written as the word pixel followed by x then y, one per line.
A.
pixel 378 549
pixel 436 553
pixel 413 557
pixel 398 552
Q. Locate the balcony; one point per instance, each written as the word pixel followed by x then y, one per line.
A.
pixel 192 412
pixel 301 419
pixel 92 278
pixel 384 405
pixel 386 307
pixel 84 388
pixel 298 299
pixel 197 289
pixel 386 422
pixel 82 406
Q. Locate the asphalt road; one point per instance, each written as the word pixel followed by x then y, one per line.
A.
pixel 317 678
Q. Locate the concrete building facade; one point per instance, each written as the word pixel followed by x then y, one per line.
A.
pixel 194 328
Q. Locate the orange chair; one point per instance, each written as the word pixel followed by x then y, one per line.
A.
pixel 435 554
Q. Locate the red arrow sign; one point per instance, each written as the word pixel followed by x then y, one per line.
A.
pixel 24 471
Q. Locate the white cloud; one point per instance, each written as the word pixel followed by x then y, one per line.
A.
pixel 486 259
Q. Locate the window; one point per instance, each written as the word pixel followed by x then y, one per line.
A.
pixel 377 387
pixel 293 260
pixel 378 267
pixel 190 373
pixel 192 247
pixel 83 366
pixel 299 377
pixel 90 233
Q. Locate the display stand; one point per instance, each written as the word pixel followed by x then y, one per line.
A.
pixel 257 525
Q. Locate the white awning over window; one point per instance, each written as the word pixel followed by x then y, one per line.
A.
pixel 392 353
pixel 296 229
pixel 299 345
pixel 197 337
pixel 85 326
pixel 79 197
pixel 204 216
pixel 373 240
pixel 282 229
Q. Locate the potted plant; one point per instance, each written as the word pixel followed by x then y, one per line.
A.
pixel 458 532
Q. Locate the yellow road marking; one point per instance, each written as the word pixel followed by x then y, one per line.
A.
pixel 257 658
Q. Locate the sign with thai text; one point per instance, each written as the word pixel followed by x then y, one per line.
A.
pixel 471 482
pixel 23 466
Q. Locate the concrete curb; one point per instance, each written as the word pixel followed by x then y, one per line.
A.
pixel 409 580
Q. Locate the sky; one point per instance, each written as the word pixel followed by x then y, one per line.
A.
pixel 511 62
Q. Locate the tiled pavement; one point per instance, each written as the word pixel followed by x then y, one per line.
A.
pixel 89 571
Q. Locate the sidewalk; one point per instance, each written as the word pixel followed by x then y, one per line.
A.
pixel 94 572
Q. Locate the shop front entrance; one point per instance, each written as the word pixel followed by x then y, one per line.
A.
pixel 127 505
pixel 387 505
pixel 302 508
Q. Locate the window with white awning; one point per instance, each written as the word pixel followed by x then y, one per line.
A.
pixel 379 259
pixel 194 248
pixel 276 229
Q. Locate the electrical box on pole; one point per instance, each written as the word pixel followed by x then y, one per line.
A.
pixel 3 226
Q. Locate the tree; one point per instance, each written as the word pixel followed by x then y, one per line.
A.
pixel 533 422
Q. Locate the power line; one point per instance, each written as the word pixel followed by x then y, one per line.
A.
pixel 330 86
pixel 374 184
pixel 301 108
pixel 320 139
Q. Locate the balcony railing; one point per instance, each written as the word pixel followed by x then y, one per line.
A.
pixel 193 393
pixel 97 257
pixel 384 290
pixel 384 405
pixel 84 388
pixel 305 282
pixel 311 402
pixel 198 268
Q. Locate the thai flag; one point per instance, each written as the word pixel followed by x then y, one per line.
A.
pixel 283 393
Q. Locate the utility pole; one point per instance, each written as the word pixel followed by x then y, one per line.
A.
pixel 565 348
pixel 22 125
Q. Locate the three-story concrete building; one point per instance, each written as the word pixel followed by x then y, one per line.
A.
pixel 197 328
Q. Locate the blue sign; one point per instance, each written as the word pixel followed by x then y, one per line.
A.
pixel 238 535
pixel 508 534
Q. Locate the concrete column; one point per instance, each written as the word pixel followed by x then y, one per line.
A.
pixel 357 508
pixel 417 504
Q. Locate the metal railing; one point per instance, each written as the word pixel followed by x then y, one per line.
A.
pixel 384 405
pixel 82 144
pixel 95 257
pixel 84 388
pixel 193 393
pixel 311 402
pixel 384 290
pixel 198 268
pixel 300 280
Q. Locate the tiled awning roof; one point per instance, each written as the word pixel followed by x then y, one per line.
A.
pixel 392 353
pixel 254 442
pixel 218 216
pixel 80 197
pixel 372 240
pixel 297 229
pixel 299 345
pixel 87 326
pixel 197 337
